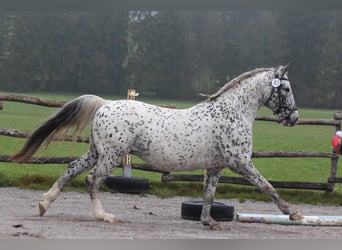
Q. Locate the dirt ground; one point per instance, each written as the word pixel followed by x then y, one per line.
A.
pixel 144 217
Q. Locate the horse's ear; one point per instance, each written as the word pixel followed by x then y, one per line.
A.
pixel 280 71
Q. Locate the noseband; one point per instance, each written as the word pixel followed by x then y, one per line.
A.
pixel 282 101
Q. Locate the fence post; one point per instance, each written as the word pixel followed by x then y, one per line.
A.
pixel 127 161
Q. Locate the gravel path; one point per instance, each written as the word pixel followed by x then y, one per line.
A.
pixel 144 217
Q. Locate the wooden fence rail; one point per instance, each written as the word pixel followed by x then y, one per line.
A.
pixel 166 177
pixel 242 181
pixel 66 160
pixel 31 100
pixel 21 134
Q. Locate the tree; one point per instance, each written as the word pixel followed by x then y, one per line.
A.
pixel 303 31
pixel 161 63
pixel 328 88
pixel 169 54
pixel 67 51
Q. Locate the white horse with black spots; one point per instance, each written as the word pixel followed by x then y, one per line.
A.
pixel 212 135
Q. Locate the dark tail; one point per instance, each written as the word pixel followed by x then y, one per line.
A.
pixel 74 114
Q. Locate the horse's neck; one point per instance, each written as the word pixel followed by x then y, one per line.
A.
pixel 246 98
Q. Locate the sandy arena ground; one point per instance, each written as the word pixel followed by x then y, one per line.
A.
pixel 144 217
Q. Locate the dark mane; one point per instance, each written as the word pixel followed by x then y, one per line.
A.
pixel 235 82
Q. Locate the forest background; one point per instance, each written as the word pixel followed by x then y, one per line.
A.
pixel 170 54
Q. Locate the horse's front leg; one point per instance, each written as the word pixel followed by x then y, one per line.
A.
pixel 249 172
pixel 212 177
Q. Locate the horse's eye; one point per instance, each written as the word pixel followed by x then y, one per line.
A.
pixel 287 89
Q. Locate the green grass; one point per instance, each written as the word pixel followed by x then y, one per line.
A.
pixel 267 136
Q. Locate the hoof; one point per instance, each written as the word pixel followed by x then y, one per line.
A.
pixel 216 227
pixel 42 209
pixel 296 216
pixel 111 219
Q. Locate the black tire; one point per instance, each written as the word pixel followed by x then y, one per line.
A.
pixel 191 210
pixel 127 184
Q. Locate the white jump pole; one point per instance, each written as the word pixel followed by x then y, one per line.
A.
pixel 127 160
pixel 315 220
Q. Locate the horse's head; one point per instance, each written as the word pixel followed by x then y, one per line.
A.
pixel 281 100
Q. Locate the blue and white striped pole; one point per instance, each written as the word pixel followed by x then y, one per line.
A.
pixel 314 220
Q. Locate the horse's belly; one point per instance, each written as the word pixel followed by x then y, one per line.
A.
pixel 174 164
pixel 176 160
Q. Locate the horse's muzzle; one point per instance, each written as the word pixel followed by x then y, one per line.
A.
pixel 291 119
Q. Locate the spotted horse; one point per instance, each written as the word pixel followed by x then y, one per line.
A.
pixel 212 135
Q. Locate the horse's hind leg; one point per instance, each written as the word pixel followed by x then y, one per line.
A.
pixel 104 167
pixel 250 173
pixel 75 168
pixel 212 177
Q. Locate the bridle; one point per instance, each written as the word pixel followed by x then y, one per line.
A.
pixel 281 101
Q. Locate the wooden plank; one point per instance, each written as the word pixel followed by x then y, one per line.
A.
pixel 65 160
pixel 292 154
pixel 338 116
pixel 48 102
pixel 308 220
pixel 21 134
pixel 242 181
pixel 41 160
pixel 31 100
pixel 329 122
pixel 335 179
pixel 13 133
